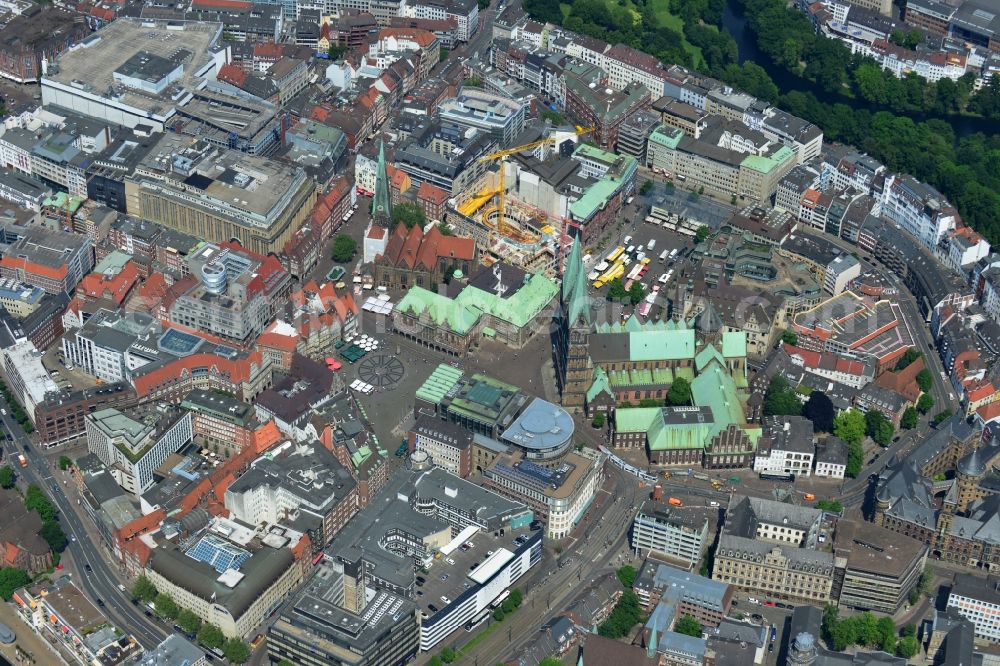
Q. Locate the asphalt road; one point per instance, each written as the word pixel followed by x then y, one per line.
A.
pixel 102 582
pixel 548 589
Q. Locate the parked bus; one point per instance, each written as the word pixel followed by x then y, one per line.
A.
pixel 615 271
pixel 615 253
pixel 764 476
pixel 644 308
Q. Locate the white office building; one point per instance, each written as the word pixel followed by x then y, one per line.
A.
pixel 678 535
pixel 136 443
pixel 978 600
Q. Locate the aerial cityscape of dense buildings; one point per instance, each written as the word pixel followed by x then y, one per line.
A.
pixel 373 332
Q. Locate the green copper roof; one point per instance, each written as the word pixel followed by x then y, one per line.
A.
pixel 659 435
pixel 443 311
pixel 463 312
pixel 766 164
pixel 574 287
pixel 600 384
pixel 442 380
pixel 636 419
pixel 668 136
pixel 382 201
pixel 734 344
pixel 663 437
pixel 661 345
pixel 715 389
pixel 519 308
pixel 706 355
pixel 633 323
pixel 113 263
pixel 594 198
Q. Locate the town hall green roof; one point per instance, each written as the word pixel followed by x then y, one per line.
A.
pixel 463 312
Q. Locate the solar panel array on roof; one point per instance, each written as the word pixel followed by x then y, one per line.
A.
pixel 220 554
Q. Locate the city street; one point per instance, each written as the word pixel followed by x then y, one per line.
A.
pixel 594 546
pixel 102 582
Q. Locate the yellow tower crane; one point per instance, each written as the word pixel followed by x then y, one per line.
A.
pixel 501 156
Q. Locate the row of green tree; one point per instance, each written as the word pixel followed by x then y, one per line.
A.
pixel 789 39
pixel 207 635
pixel 967 172
pixel 35 500
pixel 15 410
pixel 868 631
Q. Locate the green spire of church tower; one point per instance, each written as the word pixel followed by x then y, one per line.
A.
pixel 574 286
pixel 382 201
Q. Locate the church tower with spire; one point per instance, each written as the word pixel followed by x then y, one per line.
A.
pixel 575 372
pixel 382 201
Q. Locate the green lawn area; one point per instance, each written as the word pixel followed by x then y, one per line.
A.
pixel 661 8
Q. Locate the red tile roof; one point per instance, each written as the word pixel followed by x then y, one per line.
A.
pixel 989 412
pixel 115 287
pixel 232 74
pixel 432 193
pixel 412 248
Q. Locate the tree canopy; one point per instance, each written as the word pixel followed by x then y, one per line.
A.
pixel 909 419
pixel 908 357
pixel 408 214
pixel 819 410
pixel 925 403
pixel 626 575
pixel 688 625
pixel 10 580
pixel 344 248
pixel 626 614
pixel 236 651
pixel 616 290
pixel 7 477
pixel 166 606
pixel 636 293
pixel 780 399
pixel 679 394
pixel 143 589
pixel 850 425
pixel 925 380
pixel 878 427
pixel 188 621
pixel 211 636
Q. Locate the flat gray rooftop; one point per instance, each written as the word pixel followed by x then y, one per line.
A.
pixel 90 66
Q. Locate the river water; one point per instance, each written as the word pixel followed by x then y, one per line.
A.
pixel 734 21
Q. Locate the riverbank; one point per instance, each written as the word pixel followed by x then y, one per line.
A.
pixel 735 22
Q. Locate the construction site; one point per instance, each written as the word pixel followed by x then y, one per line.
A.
pixel 508 227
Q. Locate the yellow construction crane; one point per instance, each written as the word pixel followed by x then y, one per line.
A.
pixel 501 156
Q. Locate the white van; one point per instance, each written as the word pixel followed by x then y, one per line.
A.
pixel 663 257
pixel 651 244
